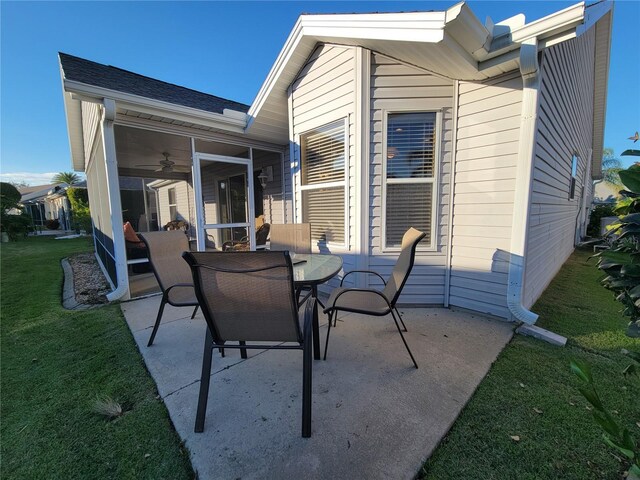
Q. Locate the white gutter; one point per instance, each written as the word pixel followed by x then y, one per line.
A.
pixel 567 19
pixel 115 205
pixel 524 176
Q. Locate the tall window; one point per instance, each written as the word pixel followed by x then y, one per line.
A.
pixel 173 207
pixel 574 174
pixel 410 175
pixel 323 155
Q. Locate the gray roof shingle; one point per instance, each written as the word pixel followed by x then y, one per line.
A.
pixel 105 76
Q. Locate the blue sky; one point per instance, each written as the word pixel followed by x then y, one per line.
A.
pixel 222 48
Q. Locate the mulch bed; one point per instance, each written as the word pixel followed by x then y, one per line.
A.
pixel 89 283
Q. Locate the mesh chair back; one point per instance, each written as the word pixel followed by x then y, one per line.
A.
pixel 403 266
pixel 246 295
pixel 295 237
pixel 165 254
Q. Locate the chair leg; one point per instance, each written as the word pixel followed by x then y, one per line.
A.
pixel 157 324
pixel 404 327
pixel 243 351
pixel 194 312
pixel 307 364
pixel 326 343
pixel 205 378
pixel 403 340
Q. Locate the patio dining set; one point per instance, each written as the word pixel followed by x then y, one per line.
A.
pixel 251 300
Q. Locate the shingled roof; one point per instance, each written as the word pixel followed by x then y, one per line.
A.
pixel 105 76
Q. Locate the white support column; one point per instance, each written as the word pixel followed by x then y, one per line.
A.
pixel 197 200
pixel 363 162
pixel 115 204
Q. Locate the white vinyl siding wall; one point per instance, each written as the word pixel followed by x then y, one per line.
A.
pixel 184 203
pixel 565 128
pixel 322 93
pixel 486 159
pixel 91 113
pixel 397 88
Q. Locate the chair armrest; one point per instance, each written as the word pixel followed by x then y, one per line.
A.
pixel 371 272
pixel 178 285
pixel 346 290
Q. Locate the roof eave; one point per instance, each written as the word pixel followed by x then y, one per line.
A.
pixel 73 115
pixel 229 120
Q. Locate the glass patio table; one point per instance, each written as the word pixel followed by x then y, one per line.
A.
pixel 311 270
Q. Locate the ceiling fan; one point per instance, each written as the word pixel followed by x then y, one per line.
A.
pixel 167 166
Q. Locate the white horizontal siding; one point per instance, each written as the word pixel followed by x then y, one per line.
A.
pixel 399 87
pixel 565 120
pixel 486 162
pixel 90 123
pixel 323 92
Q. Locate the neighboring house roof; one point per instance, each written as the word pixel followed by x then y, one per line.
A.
pixel 112 78
pixel 35 188
pixel 41 193
pixel 606 193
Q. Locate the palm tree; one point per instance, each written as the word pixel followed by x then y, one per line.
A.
pixel 611 165
pixel 69 178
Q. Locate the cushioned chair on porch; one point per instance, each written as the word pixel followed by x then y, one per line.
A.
pixel 243 245
pixel 249 297
pixel 173 275
pixel 369 301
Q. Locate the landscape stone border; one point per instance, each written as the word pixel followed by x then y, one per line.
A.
pixel 68 291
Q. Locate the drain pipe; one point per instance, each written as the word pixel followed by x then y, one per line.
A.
pixel 115 205
pixel 529 70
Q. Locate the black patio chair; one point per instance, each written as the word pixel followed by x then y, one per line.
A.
pixel 369 301
pixel 249 297
pixel 164 250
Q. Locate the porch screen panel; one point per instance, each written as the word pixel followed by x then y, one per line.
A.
pixel 410 175
pixel 323 182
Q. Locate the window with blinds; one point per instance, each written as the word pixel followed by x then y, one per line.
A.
pixel 409 175
pixel 323 153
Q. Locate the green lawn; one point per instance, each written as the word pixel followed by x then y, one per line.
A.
pixel 562 442
pixel 55 363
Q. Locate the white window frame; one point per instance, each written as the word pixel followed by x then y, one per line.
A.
pixel 435 181
pixel 175 204
pixel 573 178
pixel 343 183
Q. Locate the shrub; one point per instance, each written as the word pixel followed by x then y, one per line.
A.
pixel 79 201
pixel 621 261
pixel 598 212
pixel 16 226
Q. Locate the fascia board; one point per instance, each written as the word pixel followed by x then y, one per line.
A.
pixel 593 13
pixel 279 65
pixel 424 27
pixel 235 122
pixel 73 115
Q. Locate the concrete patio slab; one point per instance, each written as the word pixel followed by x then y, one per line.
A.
pixel 374 415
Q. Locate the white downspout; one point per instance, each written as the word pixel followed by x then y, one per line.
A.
pixel 524 176
pixel 113 190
